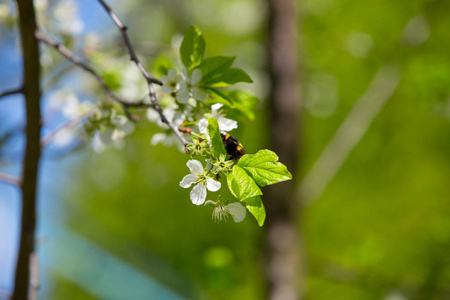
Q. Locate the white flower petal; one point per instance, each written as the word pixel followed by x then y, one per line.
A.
pixel 97 144
pixel 185 73
pixel 203 125
pixel 188 180
pixel 166 89
pixel 64 137
pixel 199 94
pixel 178 119
pixel 106 136
pixel 123 124
pixel 127 128
pixel 152 115
pixel 198 194
pixel 195 166
pixel 183 88
pixel 158 138
pixel 169 113
pixel 196 76
pixel 215 108
pixel 164 79
pixel 213 185
pixel 237 210
pixel 172 74
pixel 227 124
pixel 117 135
pixel 183 97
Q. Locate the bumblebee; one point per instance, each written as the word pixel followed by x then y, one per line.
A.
pixel 233 146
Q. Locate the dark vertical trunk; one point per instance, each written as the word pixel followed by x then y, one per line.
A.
pixel 282 236
pixel 31 70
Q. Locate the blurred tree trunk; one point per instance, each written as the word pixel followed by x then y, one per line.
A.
pixel 282 237
pixel 31 91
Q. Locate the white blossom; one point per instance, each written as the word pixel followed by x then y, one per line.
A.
pixel 189 88
pixel 201 180
pixel 65 13
pixel 167 140
pixel 225 124
pixel 172 115
pixel 73 108
pixel 171 82
pixel 64 137
pixel 113 135
pixel 133 85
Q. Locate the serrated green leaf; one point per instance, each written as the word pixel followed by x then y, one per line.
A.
pixel 192 48
pixel 241 185
pixel 256 207
pixel 214 66
pixel 264 167
pixel 227 77
pixel 217 146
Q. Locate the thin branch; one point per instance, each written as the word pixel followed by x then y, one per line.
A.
pixel 11 92
pixel 349 134
pixel 69 123
pixel 34 276
pixel 123 30
pixel 150 79
pixel 74 59
pixel 9 179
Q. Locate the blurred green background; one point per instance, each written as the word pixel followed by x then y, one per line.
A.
pixel 379 230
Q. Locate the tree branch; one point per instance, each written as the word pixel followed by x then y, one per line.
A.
pixel 150 79
pixel 125 104
pixel 11 92
pixel 6 178
pixel 70 56
pixel 32 94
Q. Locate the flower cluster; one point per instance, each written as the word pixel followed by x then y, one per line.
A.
pixel 186 106
pixel 183 87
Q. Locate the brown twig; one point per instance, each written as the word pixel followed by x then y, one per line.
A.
pixel 10 179
pixel 150 79
pixel 74 59
pixel 11 92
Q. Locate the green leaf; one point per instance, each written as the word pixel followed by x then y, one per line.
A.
pixel 241 185
pixel 256 207
pixel 215 66
pixel 217 96
pixel 192 48
pixel 243 102
pixel 264 167
pixel 217 146
pixel 226 78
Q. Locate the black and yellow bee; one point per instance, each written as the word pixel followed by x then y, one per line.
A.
pixel 233 146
